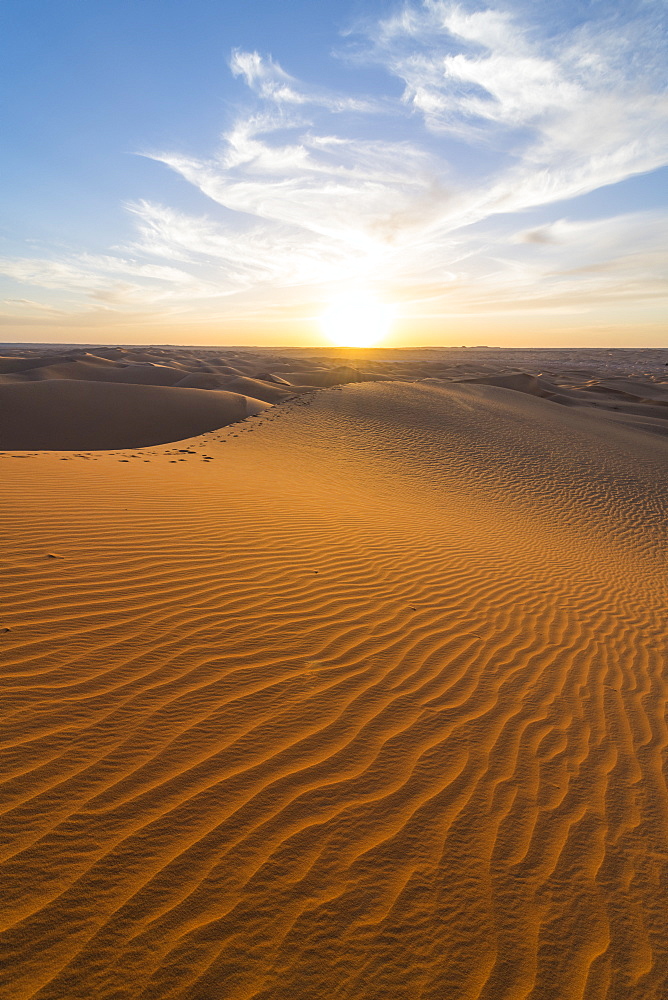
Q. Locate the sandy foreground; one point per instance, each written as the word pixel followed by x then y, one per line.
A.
pixel 361 697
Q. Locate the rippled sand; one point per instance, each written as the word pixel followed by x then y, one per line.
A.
pixel 361 698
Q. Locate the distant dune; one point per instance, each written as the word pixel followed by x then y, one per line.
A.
pixel 361 697
pixel 85 412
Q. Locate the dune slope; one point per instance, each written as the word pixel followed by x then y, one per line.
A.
pixel 62 414
pixel 363 699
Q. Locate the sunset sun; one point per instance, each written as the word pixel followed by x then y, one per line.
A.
pixel 356 320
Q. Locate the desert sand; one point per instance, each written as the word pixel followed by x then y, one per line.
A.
pixel 333 676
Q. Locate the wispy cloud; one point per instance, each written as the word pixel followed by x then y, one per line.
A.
pixel 483 76
pixel 348 190
pixel 266 77
pixel 557 266
pixel 121 282
pixel 235 259
pixel 268 80
pixel 503 110
pixel 577 108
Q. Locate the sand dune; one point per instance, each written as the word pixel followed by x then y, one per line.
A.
pixel 137 374
pixel 334 375
pixel 269 392
pixel 61 414
pixel 362 698
pixel 83 412
pixel 629 399
pixel 275 377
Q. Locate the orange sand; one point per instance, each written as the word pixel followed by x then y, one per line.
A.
pixel 370 703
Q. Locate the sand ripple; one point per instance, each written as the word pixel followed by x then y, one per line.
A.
pixel 371 705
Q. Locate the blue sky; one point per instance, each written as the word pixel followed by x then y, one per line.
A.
pixel 216 172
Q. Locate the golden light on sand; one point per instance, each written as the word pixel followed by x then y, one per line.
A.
pixel 451 742
pixel 357 320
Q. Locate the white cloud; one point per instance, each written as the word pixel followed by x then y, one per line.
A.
pixel 576 110
pixel 265 77
pixel 85 270
pixel 578 263
pixel 360 193
pixel 125 282
pixel 270 81
pixel 236 259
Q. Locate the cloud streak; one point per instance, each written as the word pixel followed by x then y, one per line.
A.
pixel 267 78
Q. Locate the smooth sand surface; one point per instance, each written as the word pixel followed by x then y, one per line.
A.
pixel 58 414
pixel 363 697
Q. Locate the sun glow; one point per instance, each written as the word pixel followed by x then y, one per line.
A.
pixel 356 320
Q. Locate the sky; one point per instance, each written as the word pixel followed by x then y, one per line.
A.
pixel 216 172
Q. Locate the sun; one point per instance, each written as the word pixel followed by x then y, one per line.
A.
pixel 356 320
